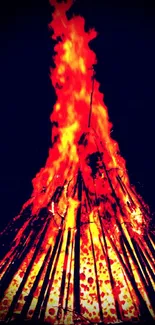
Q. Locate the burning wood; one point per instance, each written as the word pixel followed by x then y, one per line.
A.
pixel 80 251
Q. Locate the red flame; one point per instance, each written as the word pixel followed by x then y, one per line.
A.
pixel 83 251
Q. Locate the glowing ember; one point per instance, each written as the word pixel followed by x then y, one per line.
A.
pixel 80 251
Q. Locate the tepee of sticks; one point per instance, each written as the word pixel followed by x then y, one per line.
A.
pixel 80 260
pixel 80 251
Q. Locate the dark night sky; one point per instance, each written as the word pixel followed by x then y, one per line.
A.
pixel 125 49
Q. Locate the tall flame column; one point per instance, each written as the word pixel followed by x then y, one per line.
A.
pixel 81 250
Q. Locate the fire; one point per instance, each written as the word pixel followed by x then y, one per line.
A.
pixel 81 248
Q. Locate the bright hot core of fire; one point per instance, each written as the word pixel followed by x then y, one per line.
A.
pixel 80 250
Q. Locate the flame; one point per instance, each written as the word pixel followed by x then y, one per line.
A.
pixel 81 250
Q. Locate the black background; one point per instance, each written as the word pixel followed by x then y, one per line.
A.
pixel 125 49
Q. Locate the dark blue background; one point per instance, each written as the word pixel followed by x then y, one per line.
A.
pixel 125 49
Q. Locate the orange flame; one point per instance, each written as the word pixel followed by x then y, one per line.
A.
pixel 81 253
